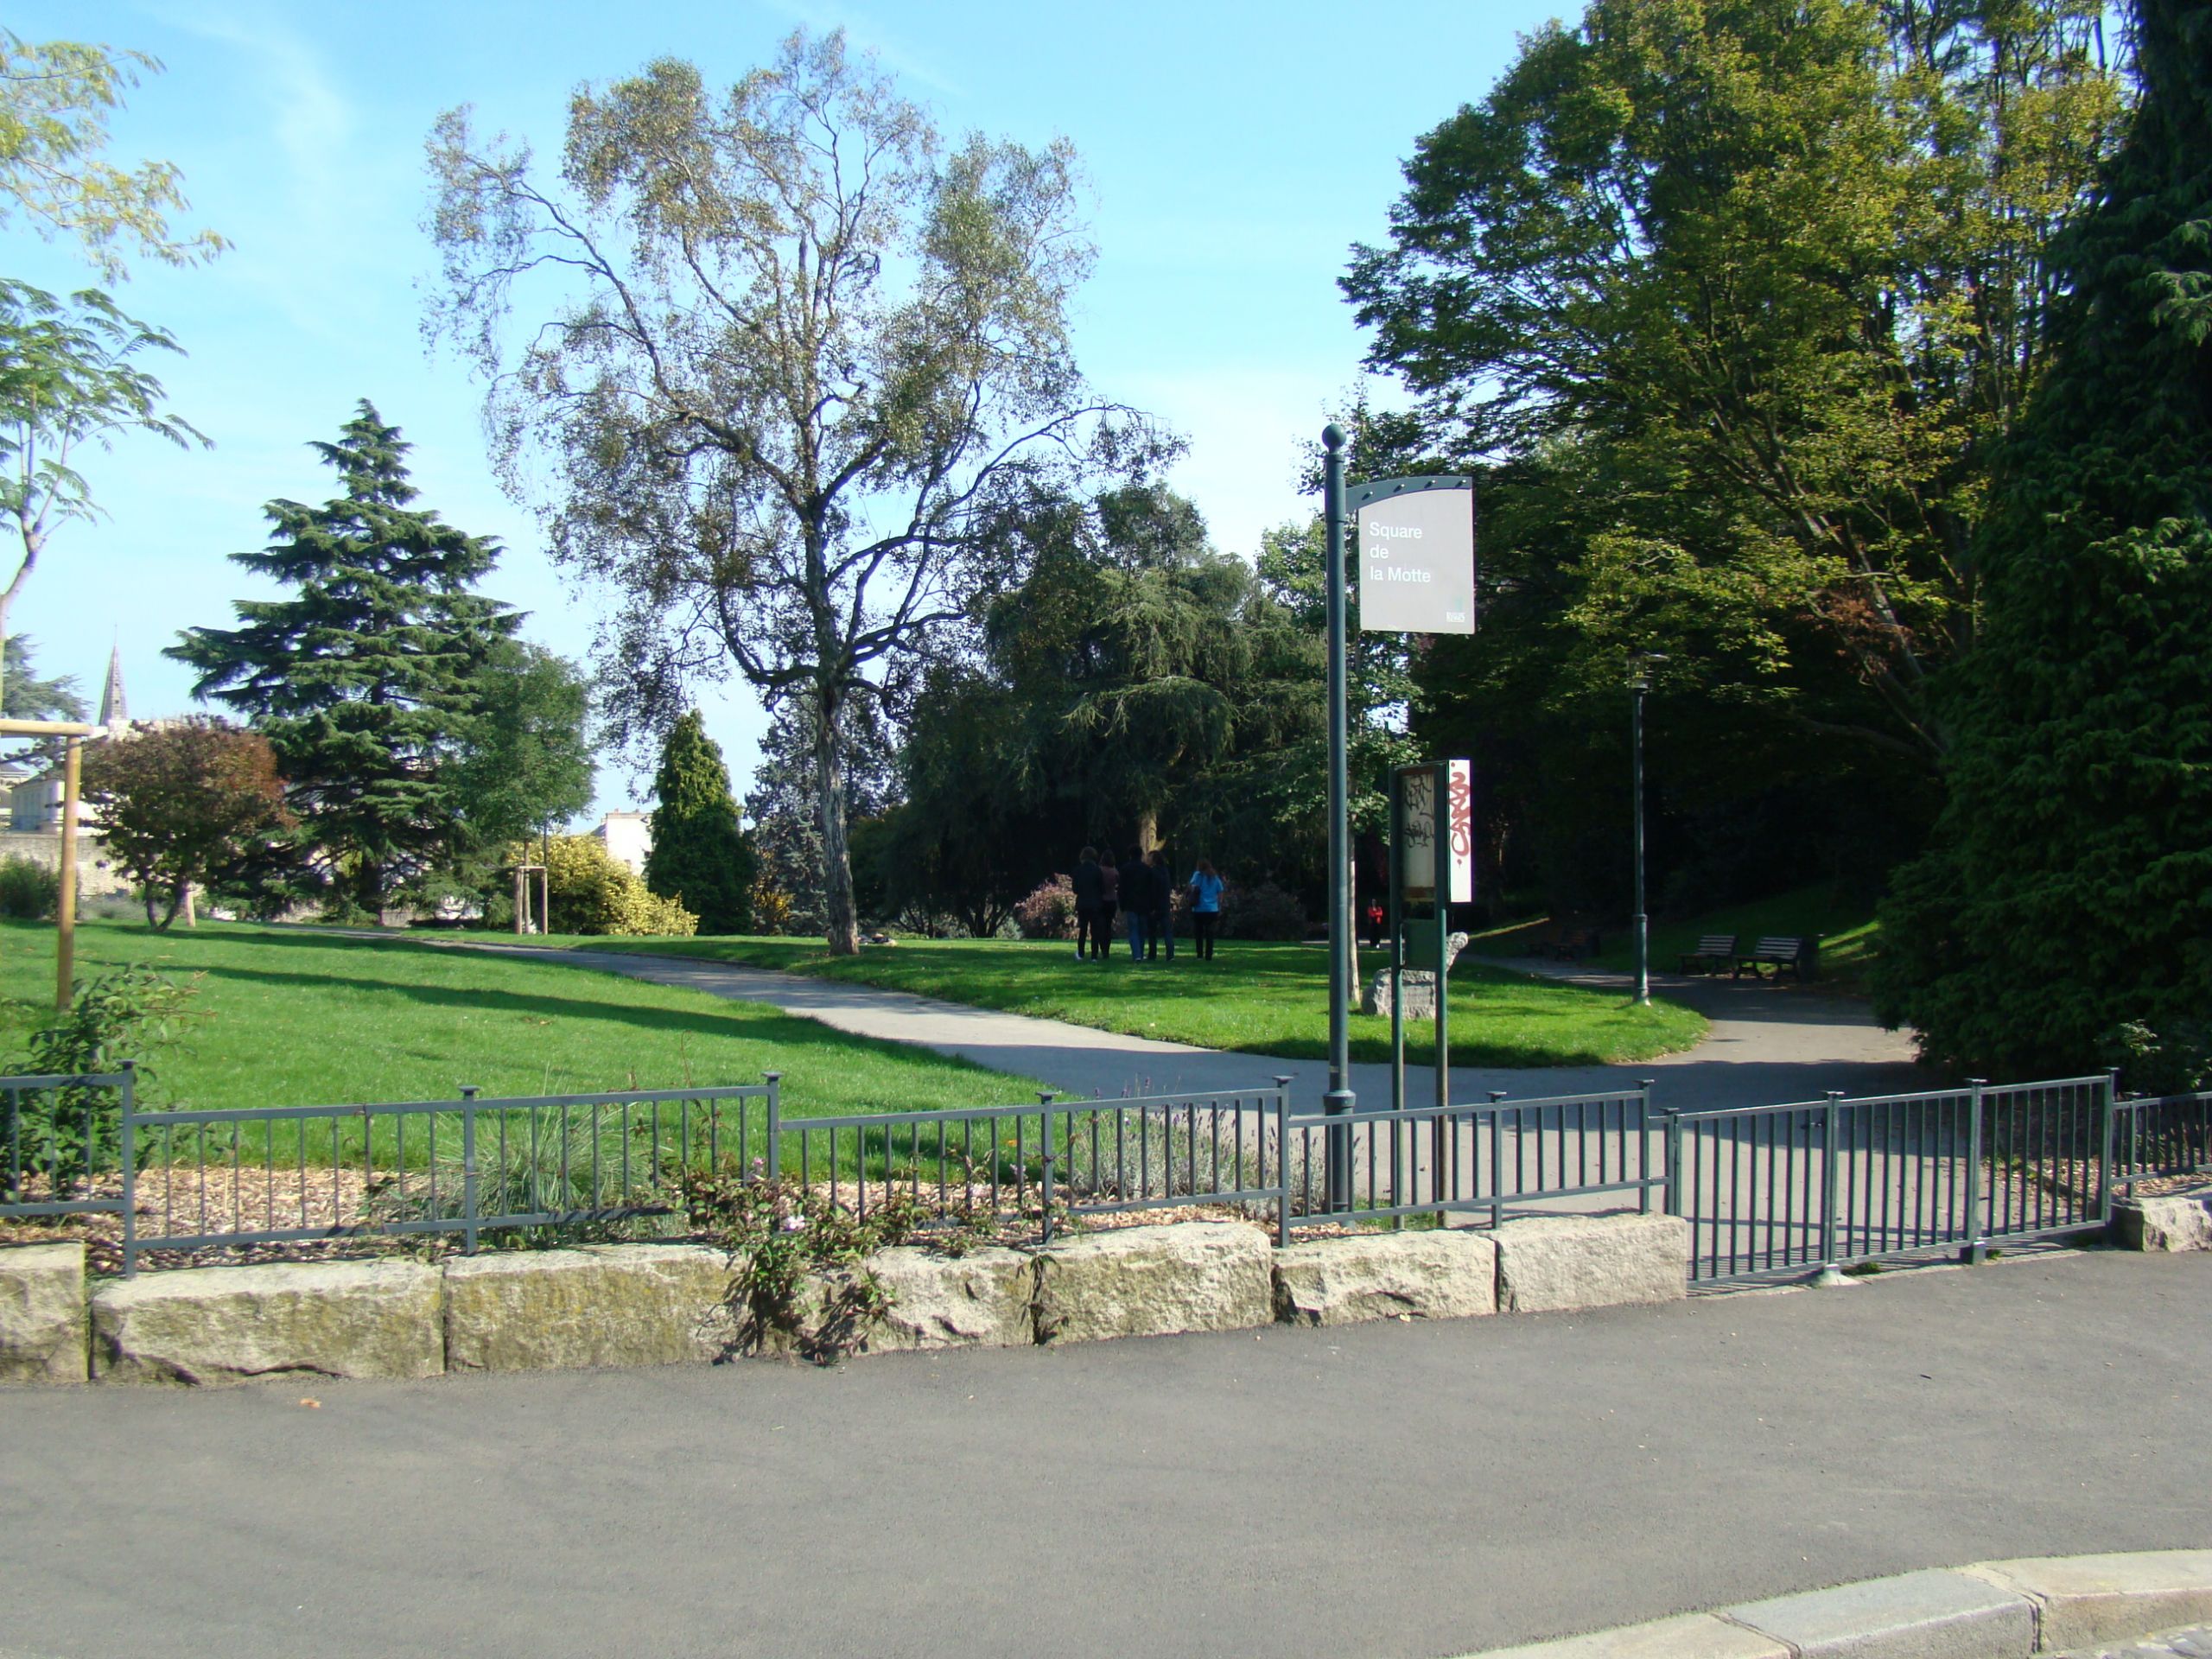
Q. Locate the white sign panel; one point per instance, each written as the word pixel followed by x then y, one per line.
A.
pixel 1417 563
pixel 1418 824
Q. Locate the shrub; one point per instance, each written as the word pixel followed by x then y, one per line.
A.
pixel 1265 911
pixel 1048 912
pixel 125 1014
pixel 28 889
pixel 774 911
pixel 594 892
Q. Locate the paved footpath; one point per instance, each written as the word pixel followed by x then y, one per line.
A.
pixel 1766 1046
pixel 1400 1491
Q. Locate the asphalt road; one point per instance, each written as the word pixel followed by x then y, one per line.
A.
pixel 1395 1490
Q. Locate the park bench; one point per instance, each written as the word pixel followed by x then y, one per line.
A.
pixel 1783 950
pixel 1572 944
pixel 1714 951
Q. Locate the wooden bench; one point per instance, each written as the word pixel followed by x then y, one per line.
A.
pixel 1571 943
pixel 1714 951
pixel 1783 950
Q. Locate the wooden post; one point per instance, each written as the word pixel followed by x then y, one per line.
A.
pixel 522 902
pixel 65 902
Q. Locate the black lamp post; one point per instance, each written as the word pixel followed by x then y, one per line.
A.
pixel 1639 683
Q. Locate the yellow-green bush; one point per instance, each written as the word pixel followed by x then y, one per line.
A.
pixel 594 892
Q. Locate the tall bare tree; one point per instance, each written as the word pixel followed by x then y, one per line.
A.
pixel 792 364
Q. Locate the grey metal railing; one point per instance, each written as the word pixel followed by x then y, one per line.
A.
pixel 2158 1135
pixel 1036 1162
pixel 1486 1159
pixel 1825 1183
pixel 59 1137
pixel 1807 1184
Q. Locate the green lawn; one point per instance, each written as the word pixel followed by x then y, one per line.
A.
pixel 1849 935
pixel 284 1018
pixel 1254 998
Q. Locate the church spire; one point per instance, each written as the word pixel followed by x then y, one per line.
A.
pixel 115 709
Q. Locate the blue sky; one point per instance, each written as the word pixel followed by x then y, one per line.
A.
pixel 1233 152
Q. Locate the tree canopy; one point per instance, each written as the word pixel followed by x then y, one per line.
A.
pixel 1759 280
pixel 2063 914
pixel 55 99
pixel 699 858
pixel 807 360
pixel 369 678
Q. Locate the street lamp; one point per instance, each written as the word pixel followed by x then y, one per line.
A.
pixel 1639 683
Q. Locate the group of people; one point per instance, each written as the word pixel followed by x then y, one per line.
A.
pixel 1142 893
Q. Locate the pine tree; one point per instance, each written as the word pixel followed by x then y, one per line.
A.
pixel 699 858
pixel 2068 892
pixel 364 679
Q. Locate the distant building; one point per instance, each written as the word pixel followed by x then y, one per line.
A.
pixel 628 836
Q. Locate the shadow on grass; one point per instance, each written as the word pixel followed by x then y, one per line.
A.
pixel 747 1022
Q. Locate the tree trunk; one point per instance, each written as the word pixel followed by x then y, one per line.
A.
pixel 842 928
pixel 1148 829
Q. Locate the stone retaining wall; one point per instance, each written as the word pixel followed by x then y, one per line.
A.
pixel 2176 1221
pixel 661 1304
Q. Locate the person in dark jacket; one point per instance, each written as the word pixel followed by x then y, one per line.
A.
pixel 1137 882
pixel 1110 897
pixel 1086 899
pixel 1161 928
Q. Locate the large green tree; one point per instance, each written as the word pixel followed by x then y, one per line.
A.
pixel 794 362
pixel 699 856
pixel 1757 282
pixel 2068 892
pixel 1137 686
pixel 368 676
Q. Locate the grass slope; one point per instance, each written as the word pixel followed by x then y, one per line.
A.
pixel 283 1018
pixel 1254 999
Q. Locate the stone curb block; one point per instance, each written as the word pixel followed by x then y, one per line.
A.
pixel 983 1300
pixel 1447 1274
pixel 1992 1610
pixel 1555 1263
pixel 43 1324
pixel 1155 1282
pixel 568 1310
pixel 1933 1615
pixel 1692 1636
pixel 2086 1601
pixel 213 1326
pixel 2181 1221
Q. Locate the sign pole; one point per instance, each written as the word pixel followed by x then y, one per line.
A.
pixel 1341 1098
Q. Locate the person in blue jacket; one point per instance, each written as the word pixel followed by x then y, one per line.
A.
pixel 1205 907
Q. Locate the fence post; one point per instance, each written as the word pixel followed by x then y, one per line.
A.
pixel 1045 1189
pixel 1831 1137
pixel 1282 1161
pixel 1496 1174
pixel 1643 1143
pixel 2104 1144
pixel 774 1080
pixel 1976 1250
pixel 468 1171
pixel 127 1156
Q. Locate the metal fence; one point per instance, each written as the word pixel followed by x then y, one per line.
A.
pixel 1038 1161
pixel 1829 1182
pixel 1765 1189
pixel 241 1177
pixel 1484 1159
pixel 2161 1135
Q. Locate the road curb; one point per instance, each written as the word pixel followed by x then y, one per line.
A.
pixel 1991 1610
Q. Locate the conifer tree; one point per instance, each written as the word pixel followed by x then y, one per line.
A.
pixel 699 858
pixel 2068 892
pixel 365 679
